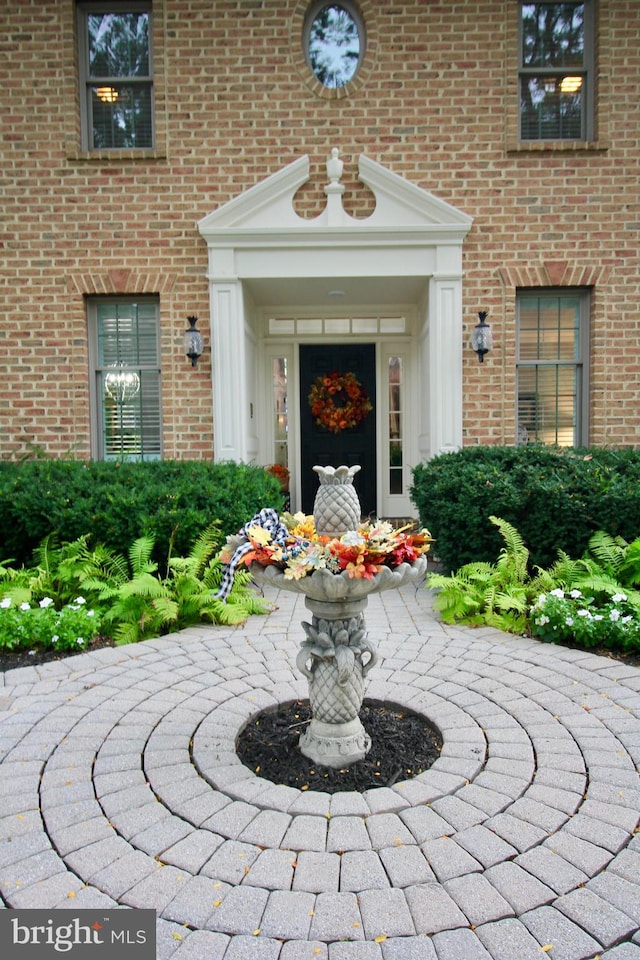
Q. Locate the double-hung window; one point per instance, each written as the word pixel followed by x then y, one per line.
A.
pixel 116 75
pixel 552 368
pixel 556 70
pixel 127 411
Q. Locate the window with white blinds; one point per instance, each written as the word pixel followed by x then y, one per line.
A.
pixel 552 369
pixel 127 402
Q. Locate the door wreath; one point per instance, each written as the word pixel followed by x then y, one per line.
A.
pixel 338 401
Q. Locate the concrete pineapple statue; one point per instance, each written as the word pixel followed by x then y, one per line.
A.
pixel 331 659
pixel 336 509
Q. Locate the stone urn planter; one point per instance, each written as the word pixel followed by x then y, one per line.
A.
pixel 337 654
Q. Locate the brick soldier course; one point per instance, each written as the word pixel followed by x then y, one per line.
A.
pixel 120 785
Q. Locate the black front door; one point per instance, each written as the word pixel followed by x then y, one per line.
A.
pixel 321 446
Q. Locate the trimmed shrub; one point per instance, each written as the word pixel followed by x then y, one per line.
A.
pixel 115 503
pixel 556 499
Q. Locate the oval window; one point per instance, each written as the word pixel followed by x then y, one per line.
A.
pixel 334 43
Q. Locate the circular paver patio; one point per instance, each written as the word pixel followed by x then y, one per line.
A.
pixel 120 785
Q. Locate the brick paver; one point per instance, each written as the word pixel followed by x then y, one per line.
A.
pixel 119 784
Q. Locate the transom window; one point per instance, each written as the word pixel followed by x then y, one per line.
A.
pixel 552 370
pixel 334 42
pixel 126 379
pixel 116 82
pixel 556 70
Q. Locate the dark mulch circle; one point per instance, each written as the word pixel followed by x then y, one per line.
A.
pixel 404 744
pixel 24 657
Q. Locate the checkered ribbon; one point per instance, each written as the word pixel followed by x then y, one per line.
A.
pixel 267 519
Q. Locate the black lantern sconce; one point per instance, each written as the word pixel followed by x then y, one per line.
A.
pixel 193 341
pixel 482 338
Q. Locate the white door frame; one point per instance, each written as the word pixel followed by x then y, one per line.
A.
pixel 403 346
pixel 258 235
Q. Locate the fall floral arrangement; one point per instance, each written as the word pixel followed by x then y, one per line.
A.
pixel 338 401
pixel 281 473
pixel 362 553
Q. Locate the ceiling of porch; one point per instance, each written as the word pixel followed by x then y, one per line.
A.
pixel 367 292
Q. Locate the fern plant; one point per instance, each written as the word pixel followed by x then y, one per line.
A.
pixel 58 573
pixel 485 593
pixel 619 560
pixel 610 565
pixel 505 595
pixel 132 599
pixel 141 604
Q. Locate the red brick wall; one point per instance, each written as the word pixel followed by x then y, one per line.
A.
pixel 436 102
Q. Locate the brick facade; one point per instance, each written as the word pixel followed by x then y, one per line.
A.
pixel 436 102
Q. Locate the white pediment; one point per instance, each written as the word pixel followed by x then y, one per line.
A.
pixel 268 207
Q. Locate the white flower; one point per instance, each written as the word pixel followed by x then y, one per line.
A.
pixel 80 640
pixel 618 597
pixel 584 613
pixel 80 600
pixel 569 622
pixel 55 638
pixel 575 594
pixel 90 613
pixel 541 599
pixel 598 616
pixel 6 603
pixel 542 620
pixel 614 615
pixel 25 606
pixel 627 619
pixel 352 538
pixel 46 602
pixel 557 593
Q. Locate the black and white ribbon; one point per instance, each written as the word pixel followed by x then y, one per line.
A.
pixel 269 520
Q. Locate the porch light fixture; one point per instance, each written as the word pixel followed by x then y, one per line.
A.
pixel 193 341
pixel 482 338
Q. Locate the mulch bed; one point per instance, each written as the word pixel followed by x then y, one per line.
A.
pixel 10 659
pixel 403 745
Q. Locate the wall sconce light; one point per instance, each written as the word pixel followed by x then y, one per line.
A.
pixel 482 338
pixel 193 341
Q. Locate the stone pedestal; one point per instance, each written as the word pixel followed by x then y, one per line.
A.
pixel 332 660
pixel 335 745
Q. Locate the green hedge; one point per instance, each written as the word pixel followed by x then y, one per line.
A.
pixel 117 502
pixel 555 498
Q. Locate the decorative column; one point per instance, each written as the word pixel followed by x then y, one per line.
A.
pixel 228 370
pixel 445 363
